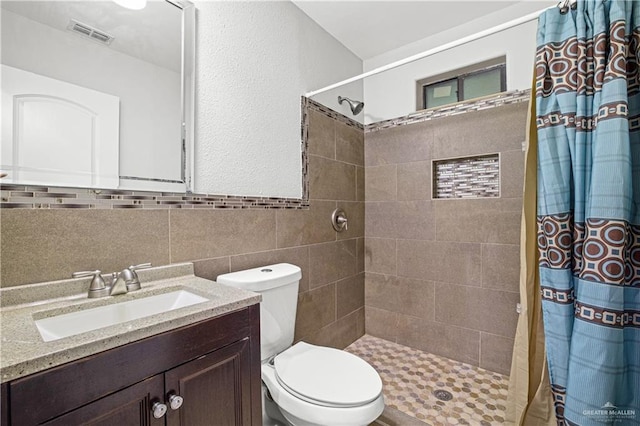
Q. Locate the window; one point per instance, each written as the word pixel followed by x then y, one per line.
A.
pixel 471 82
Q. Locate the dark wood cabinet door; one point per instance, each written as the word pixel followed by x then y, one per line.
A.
pixel 215 388
pixel 128 407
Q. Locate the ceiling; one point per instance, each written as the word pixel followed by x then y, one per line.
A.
pixel 370 28
pixel 153 34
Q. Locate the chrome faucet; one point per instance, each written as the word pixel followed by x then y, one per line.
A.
pixel 125 281
pixel 120 281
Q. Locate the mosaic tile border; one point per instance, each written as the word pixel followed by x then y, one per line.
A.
pixel 15 196
pixel 475 176
pixel 505 98
pixel 46 197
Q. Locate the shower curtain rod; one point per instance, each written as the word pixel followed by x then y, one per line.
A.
pixel 442 48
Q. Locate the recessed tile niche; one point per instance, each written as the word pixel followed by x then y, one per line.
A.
pixel 467 177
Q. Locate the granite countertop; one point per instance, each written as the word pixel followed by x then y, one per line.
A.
pixel 23 351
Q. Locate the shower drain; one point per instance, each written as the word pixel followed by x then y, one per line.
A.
pixel 443 395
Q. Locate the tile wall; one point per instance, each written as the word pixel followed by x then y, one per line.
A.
pixel 47 244
pixel 442 275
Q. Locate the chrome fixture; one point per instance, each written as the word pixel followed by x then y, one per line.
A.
pixel 97 287
pixel 356 106
pixel 158 409
pixel 339 220
pixel 175 401
pixel 125 281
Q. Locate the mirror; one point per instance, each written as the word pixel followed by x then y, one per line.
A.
pixel 95 95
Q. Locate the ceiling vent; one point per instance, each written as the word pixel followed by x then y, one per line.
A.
pixel 90 32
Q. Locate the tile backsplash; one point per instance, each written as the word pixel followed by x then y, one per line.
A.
pixel 51 242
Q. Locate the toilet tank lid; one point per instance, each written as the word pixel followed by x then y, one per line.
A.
pixel 262 278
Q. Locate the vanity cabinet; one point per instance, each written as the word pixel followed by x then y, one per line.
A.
pixel 214 365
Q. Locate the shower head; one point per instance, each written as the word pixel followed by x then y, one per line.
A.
pixel 356 106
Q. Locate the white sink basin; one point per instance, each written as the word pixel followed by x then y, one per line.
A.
pixel 59 326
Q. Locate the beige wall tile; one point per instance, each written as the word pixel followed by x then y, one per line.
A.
pixel 401 295
pixel 477 308
pixel 381 292
pixel 350 295
pixel 400 219
pixel 440 261
pixel 380 221
pixel 360 183
pixel 495 353
pixel 402 144
pixel 416 298
pixel 204 234
pixel 380 255
pixel 360 255
pixel 300 227
pixel 45 245
pixel 210 268
pixel 501 267
pixel 511 174
pixel 481 132
pixel 316 309
pixel 414 181
pixel 298 256
pixel 331 262
pixel 381 323
pixel 479 220
pixel 322 135
pixel 349 144
pixel 355 216
pixel 331 179
pixel 341 333
pixel 445 340
pixel 380 183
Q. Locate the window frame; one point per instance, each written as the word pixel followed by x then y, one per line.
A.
pixel 459 76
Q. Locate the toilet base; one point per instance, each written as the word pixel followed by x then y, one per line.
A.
pixel 271 414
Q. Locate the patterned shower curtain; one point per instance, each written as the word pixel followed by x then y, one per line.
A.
pixel 588 121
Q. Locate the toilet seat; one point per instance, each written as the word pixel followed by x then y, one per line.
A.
pixel 327 377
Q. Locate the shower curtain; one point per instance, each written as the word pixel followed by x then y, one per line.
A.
pixel 587 92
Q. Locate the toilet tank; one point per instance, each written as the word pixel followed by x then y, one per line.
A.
pixel 278 285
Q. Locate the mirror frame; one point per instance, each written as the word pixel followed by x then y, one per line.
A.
pixel 188 89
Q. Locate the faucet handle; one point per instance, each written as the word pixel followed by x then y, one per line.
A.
pixel 97 287
pixel 133 282
pixel 140 266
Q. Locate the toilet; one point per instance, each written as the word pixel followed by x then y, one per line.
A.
pixel 304 384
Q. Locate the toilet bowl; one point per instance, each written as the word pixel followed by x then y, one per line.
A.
pixel 315 385
pixel 304 384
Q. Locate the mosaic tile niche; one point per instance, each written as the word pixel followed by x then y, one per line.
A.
pixel 468 177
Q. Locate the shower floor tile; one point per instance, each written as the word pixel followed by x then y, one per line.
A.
pixel 411 378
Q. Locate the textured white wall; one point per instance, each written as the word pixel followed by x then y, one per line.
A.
pixel 149 94
pixel 255 60
pixel 393 93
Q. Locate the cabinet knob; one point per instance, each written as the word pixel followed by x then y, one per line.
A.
pixel 175 401
pixel 158 410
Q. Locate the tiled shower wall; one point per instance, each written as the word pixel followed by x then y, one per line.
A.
pixel 442 275
pixel 48 244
